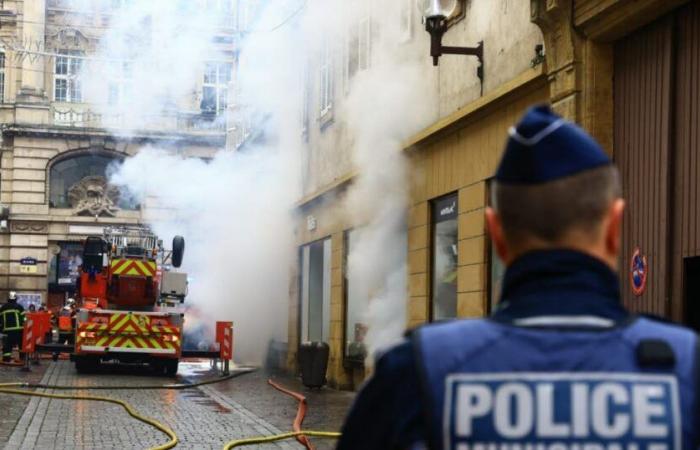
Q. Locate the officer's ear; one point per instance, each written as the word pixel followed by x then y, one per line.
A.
pixel 495 229
pixel 613 231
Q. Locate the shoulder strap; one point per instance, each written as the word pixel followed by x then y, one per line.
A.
pixel 424 387
pixel 696 419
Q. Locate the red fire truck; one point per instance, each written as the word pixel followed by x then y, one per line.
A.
pixel 130 285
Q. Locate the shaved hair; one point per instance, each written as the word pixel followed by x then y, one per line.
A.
pixel 549 211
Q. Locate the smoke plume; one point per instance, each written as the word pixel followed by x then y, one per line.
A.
pixel 237 210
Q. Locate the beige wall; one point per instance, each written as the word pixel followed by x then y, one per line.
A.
pixel 461 160
pixel 457 153
pixel 509 45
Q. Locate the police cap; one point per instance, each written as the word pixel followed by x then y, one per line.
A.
pixel 544 147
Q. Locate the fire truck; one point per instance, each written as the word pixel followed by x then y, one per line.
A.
pixel 129 289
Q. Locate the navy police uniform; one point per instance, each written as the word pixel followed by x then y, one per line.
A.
pixel 560 365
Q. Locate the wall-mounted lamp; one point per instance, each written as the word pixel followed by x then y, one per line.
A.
pixel 436 14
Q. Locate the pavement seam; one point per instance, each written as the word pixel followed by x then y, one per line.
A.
pixel 262 426
pixel 21 431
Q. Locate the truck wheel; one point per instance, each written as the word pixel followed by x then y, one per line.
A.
pixel 86 364
pixel 171 367
pixel 178 250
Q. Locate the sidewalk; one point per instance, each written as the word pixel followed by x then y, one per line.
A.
pixel 12 407
pixel 326 407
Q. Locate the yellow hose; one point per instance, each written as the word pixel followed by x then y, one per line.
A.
pixel 279 437
pixel 132 412
pixel 4 389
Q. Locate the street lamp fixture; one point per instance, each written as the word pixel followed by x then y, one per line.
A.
pixel 436 14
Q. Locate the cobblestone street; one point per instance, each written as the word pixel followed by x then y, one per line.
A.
pixel 203 418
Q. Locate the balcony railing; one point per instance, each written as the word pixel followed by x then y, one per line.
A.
pixel 187 122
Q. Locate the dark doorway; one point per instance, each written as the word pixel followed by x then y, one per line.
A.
pixel 691 288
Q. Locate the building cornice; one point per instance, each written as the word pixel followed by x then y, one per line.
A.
pixel 608 20
pixel 485 104
pixel 57 131
pixel 520 85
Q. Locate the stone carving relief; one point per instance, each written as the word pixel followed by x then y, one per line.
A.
pixel 68 38
pixel 29 227
pixel 93 196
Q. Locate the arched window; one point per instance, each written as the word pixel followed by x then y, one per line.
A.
pixel 67 173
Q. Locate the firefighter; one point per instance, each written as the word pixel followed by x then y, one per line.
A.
pixel 66 322
pixel 561 363
pixel 11 323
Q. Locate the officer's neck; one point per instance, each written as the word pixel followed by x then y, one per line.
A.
pixel 576 240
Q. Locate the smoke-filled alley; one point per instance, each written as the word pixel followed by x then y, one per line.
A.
pixel 362 224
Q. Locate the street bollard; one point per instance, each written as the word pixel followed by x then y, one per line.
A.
pixel 28 342
pixel 224 337
pixel 41 324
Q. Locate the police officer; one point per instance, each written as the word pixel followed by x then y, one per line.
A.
pixel 560 364
pixel 11 323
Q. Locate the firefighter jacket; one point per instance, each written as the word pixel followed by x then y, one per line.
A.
pixel 559 365
pixel 11 317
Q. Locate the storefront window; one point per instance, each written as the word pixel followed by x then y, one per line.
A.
pixel 65 267
pixel 357 304
pixel 496 267
pixel 497 270
pixel 316 291
pixel 444 257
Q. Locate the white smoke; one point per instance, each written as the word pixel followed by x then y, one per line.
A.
pixel 149 61
pixel 236 210
pixel 386 104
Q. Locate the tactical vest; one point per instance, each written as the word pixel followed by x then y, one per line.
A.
pixel 559 383
pixel 11 319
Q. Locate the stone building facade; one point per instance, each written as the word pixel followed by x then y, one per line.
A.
pixel 626 71
pixel 57 148
pixel 450 161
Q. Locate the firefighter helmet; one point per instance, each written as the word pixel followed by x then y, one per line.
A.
pixel 12 296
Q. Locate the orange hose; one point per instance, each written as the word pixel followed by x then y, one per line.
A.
pixel 11 363
pixel 301 413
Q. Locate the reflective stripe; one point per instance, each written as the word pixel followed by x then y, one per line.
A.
pixel 554 126
pixel 18 317
pixel 99 348
pixel 554 321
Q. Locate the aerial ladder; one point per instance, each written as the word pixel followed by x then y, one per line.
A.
pixel 129 289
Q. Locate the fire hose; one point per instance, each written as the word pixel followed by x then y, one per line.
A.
pixel 301 435
pixel 11 389
pixel 129 409
pixel 279 437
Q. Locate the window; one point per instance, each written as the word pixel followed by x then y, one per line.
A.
pixel 444 257
pixel 326 80
pixel 357 305
pixel 67 85
pixel 358 47
pixel 68 263
pixel 66 173
pixel 406 17
pixel 117 4
pixel 305 102
pixel 2 77
pixel 120 83
pixel 496 267
pixel 244 14
pixel 220 6
pixel 217 76
pixel 316 291
pixel 223 10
